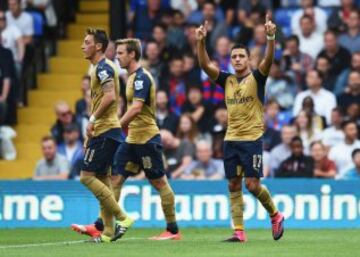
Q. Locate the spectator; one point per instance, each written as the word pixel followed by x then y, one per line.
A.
pixel 354 173
pixel 280 88
pixel 282 151
pixel 318 122
pixel 295 62
pixel 298 164
pixel 311 42
pixel 187 128
pixel 159 35
pixel 192 71
pixel 333 135
pixel 342 79
pixel 275 119
pixel 352 92
pixel 353 113
pixel 175 85
pixel 190 45
pixel 197 15
pixel 165 119
pixel 222 54
pixel 64 117
pixel 15 16
pixel 204 167
pixel 175 35
pixel 351 39
pixel 271 138
pixel 246 8
pixel 201 112
pixel 323 65
pixel 145 19
pixel 5 83
pixel 178 153
pixel 339 56
pixel 8 91
pixel 53 166
pixel 219 130
pixel 215 27
pixel 305 129
pixel 339 16
pixel 154 63
pixel 12 39
pixel 324 100
pixel 341 153
pixel 81 105
pixel 324 168
pixel 72 148
pixel 316 13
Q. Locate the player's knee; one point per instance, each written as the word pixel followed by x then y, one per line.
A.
pixel 234 185
pixel 252 186
pixel 84 179
pixel 158 184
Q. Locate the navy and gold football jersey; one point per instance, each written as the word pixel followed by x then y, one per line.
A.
pixel 244 99
pixel 140 86
pixel 101 73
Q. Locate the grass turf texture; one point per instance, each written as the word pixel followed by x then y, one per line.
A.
pixel 196 242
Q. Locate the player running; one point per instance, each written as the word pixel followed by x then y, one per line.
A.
pixel 103 133
pixel 244 97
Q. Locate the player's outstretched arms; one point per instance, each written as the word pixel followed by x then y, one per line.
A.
pixel 270 29
pixel 203 57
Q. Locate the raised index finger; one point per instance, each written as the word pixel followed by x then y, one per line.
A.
pixel 267 18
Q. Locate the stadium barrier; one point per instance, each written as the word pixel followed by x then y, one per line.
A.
pixel 305 203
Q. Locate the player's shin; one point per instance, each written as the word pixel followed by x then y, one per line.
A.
pixel 107 217
pixel 265 198
pixel 168 206
pixel 237 207
pixel 104 195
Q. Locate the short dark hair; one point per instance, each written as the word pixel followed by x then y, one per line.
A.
pixel 100 37
pixel 330 31
pixel 296 139
pixel 87 77
pixel 241 46
pixel 209 2
pixel 357 150
pixel 306 16
pixel 48 138
pixel 293 38
pixel 336 109
pixel 345 123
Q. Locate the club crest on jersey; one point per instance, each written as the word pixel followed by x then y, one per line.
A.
pixel 103 75
pixel 139 85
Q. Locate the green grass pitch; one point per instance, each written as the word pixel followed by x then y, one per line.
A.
pixel 204 242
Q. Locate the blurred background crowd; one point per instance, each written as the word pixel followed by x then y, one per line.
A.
pixel 312 108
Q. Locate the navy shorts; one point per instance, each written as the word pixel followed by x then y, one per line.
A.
pixel 130 159
pixel 99 154
pixel 243 158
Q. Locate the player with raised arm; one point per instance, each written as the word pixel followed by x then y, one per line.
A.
pixel 142 149
pixel 244 98
pixel 103 132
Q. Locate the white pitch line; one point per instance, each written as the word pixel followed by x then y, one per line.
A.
pixel 60 243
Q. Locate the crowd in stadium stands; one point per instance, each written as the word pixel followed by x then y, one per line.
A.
pixel 28 33
pixel 312 105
